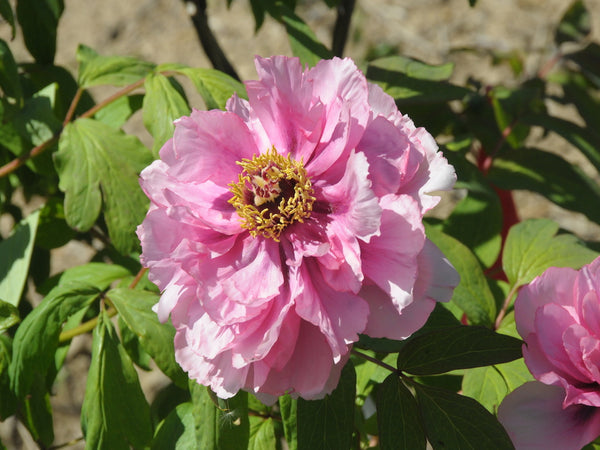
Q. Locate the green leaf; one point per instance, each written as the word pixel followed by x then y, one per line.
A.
pixel 16 255
pixel 8 404
pixel 303 40
pixel 452 421
pixel 95 69
pixel 220 427
pixel 36 339
pixel 575 25
pixel 39 20
pixel 53 231
pixel 177 431
pixel 508 106
pixel 588 60
pixel 7 14
pixel 37 412
pixel 162 105
pixel 98 167
pixel 9 73
pixel 214 86
pixel 413 90
pixel 135 308
pixel 454 348
pixel 398 417
pixel 115 114
pixel 132 346
pixel 531 247
pixel 414 68
pixel 486 385
pixel 37 122
pixel 288 408
pixel 473 294
pixel 476 221
pixel 100 275
pixel 9 316
pixel 328 423
pixel 262 434
pixel 114 414
pixel 549 175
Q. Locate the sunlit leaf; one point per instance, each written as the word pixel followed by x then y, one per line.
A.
pixel 118 112
pixel 262 434
pixel 9 316
pixel 214 86
pixel 177 431
pixel 288 408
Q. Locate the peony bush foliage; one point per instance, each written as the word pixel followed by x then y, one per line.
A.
pixel 275 251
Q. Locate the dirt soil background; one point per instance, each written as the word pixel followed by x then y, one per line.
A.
pixel 430 30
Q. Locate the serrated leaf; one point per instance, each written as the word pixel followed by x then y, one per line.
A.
pixel 531 247
pixel 549 175
pixel 177 431
pixel 115 114
pixel 16 253
pixel 220 428
pixel 288 408
pixel 262 434
pixel 476 221
pixel 95 69
pixel 98 168
pixel 214 86
pixel 114 414
pixel 39 20
pixel 455 421
pixel 135 308
pixel 162 105
pixel 575 24
pixel 398 417
pixel 454 348
pixel 9 316
pixel 473 294
pixel 36 339
pixel 303 41
pixel 7 14
pixel 328 423
pixel 9 73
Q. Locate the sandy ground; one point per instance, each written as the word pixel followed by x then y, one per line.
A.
pixel 160 31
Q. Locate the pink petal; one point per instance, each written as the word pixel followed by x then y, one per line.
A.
pixel 534 419
pixel 437 278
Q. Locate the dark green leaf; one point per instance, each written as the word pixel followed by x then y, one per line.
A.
pixel 288 408
pixel 166 400
pixel 473 294
pixel 9 74
pixel 7 14
pixel 476 221
pixel 508 106
pixel 132 346
pixel 8 404
pixel 549 175
pixel 453 421
pixel 454 348
pixel 36 339
pixel 95 69
pixel 97 165
pixel 262 434
pixel 135 308
pixel 472 3
pixel 328 423
pixel 575 25
pixel 39 20
pixel 162 105
pixel 16 254
pixel 398 417
pixel 176 432
pixel 588 60
pixel 220 427
pixel 37 412
pixel 303 40
pixel 53 231
pixel 531 247
pixel 9 316
pixel 118 112
pixel 114 414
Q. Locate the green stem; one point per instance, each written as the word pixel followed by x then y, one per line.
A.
pixel 374 361
pixel 505 305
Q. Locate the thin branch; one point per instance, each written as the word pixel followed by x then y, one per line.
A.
pixel 13 165
pixel 505 306
pixel 342 25
pixel 374 361
pixel 197 11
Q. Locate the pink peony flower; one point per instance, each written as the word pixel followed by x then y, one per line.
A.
pixel 283 227
pixel 558 316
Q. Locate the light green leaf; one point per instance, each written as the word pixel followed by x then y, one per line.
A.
pixel 9 316
pixel 398 417
pixel 328 423
pixel 262 434
pixel 118 112
pixel 531 247
pixel 16 256
pixel 177 431
pixel 100 275
pixel 288 408
pixel 135 308
pixel 114 414
pixel 214 86
pixel 36 122
pixel 162 105
pixel 414 68
pixel 473 294
pixel 39 20
pixel 98 168
pixel 95 69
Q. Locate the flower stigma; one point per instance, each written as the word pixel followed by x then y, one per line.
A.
pixel 272 192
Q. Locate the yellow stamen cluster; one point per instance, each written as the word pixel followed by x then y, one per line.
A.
pixel 272 192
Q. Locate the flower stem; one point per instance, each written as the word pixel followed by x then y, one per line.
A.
pixel 505 306
pixel 374 361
